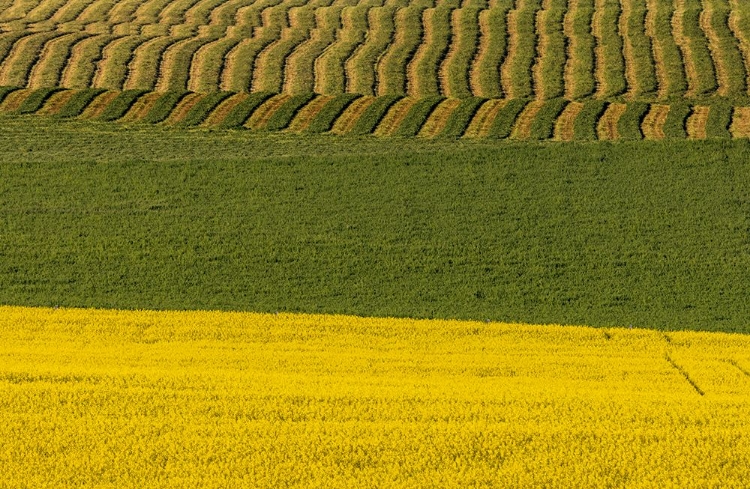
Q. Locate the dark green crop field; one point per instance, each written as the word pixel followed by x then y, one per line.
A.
pixel 653 234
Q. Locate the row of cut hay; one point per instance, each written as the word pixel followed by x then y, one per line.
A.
pixel 434 116
pixel 543 49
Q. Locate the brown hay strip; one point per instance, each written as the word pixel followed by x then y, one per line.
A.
pixel 221 112
pixel 97 106
pixel 740 126
pixel 413 87
pixel 14 100
pixel 537 73
pixel 506 69
pixel 141 107
pixel 56 102
pixel 346 121
pixel 260 116
pixel 571 91
pixel 565 124
pixel 305 116
pixel 696 123
pixel 714 48
pixel 437 121
pixel 606 129
pixel 480 124
pixel 631 78
pixel 522 127
pixel 483 43
pixel 734 25
pixel 394 117
pixel 683 43
pixel 653 123
pixel 183 108
pixel 600 80
pixel 656 48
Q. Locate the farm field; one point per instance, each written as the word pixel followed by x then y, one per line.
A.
pixel 374 243
pixel 524 69
pixel 166 399
pixel 649 234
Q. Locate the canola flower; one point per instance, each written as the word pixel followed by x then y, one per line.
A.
pixel 103 398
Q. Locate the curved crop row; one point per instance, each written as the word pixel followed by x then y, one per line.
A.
pixel 393 115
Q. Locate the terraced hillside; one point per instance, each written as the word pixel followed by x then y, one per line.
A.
pixel 537 69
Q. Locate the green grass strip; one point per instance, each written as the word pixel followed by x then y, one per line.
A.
pixel 323 120
pixel 5 91
pixel 239 114
pixel 719 120
pixel 674 126
pixel 417 115
pixel 461 117
pixel 36 100
pixel 584 126
pixel 642 233
pixel 164 106
pixel 629 125
pixel 203 108
pixel 543 125
pixel 78 102
pixel 506 118
pixel 372 116
pixel 283 116
pixel 120 105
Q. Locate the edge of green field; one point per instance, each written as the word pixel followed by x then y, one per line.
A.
pixel 650 234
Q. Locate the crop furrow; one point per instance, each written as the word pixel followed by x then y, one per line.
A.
pixel 81 66
pixel 439 118
pixel 424 68
pixel 484 72
pixel 607 128
pixel 97 106
pixel 15 68
pixel 740 124
pixel 407 37
pixel 565 124
pixel 610 65
pixel 549 65
pixel 453 73
pixel 306 115
pixel 271 62
pixel 739 24
pixel 300 74
pixel 362 66
pixel 230 62
pixel 56 102
pixel 141 108
pixel 183 108
pixel 524 121
pixel 259 118
pixel 47 72
pixel 330 66
pixel 481 123
pixel 696 123
pixel 653 124
pixel 394 117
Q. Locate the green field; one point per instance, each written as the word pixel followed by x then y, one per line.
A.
pixel 653 234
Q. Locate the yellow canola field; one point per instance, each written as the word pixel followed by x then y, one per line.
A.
pixel 101 398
